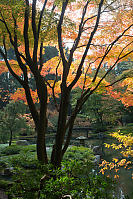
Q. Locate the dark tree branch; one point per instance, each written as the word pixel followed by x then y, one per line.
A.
pixel 26 38
pixel 118 59
pixel 108 50
pixel 59 30
pixel 9 67
pixel 53 87
pixel 118 80
pixel 41 58
pixel 21 64
pixel 40 19
pixel 79 71
pixel 34 19
pixel 34 29
pixel 8 31
pixel 76 42
pixel 87 72
pixel 102 12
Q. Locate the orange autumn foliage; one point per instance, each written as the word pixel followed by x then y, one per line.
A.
pixel 20 95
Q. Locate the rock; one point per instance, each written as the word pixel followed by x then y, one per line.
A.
pixel 22 142
pixel 8 171
pixel 97 150
pixel 97 159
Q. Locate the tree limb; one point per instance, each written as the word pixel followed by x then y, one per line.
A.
pixel 79 71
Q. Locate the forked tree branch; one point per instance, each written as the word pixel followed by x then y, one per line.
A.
pixel 4 55
pixel 76 42
pixel 79 70
pixel 60 44
pixel 108 50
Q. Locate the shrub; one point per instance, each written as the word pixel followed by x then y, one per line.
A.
pixel 79 160
pixel 11 150
pixel 73 178
pixel 59 183
pixel 16 149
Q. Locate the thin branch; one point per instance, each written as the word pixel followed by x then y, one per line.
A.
pixel 119 58
pixel 87 72
pixel 76 42
pixel 6 26
pixel 59 30
pixel 102 12
pixel 34 19
pixel 26 27
pixel 118 80
pixel 40 19
pixel 53 87
pixel 79 71
pixel 108 50
pixel 19 60
pixel 10 69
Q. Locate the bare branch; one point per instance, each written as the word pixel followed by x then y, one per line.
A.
pixel 18 55
pixel 102 12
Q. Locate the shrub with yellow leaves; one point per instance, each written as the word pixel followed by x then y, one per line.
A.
pixel 125 147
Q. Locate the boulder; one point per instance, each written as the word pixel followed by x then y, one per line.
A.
pixel 97 159
pixel 97 150
pixel 22 142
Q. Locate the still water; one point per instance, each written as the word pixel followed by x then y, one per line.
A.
pixel 125 182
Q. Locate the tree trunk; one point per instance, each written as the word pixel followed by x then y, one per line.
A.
pixel 10 141
pixel 56 156
pixel 41 146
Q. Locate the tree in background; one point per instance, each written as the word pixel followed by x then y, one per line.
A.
pixel 11 121
pixel 99 33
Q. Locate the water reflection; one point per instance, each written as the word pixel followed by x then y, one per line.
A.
pixel 125 182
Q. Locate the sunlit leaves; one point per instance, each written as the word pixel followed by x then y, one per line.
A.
pixel 126 143
pixel 20 95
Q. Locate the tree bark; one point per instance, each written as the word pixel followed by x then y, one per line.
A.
pixel 56 156
pixel 41 145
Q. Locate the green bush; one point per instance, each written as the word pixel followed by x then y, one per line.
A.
pixel 79 153
pixel 16 149
pixel 79 160
pixel 58 183
pixel 74 178
pixel 11 150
